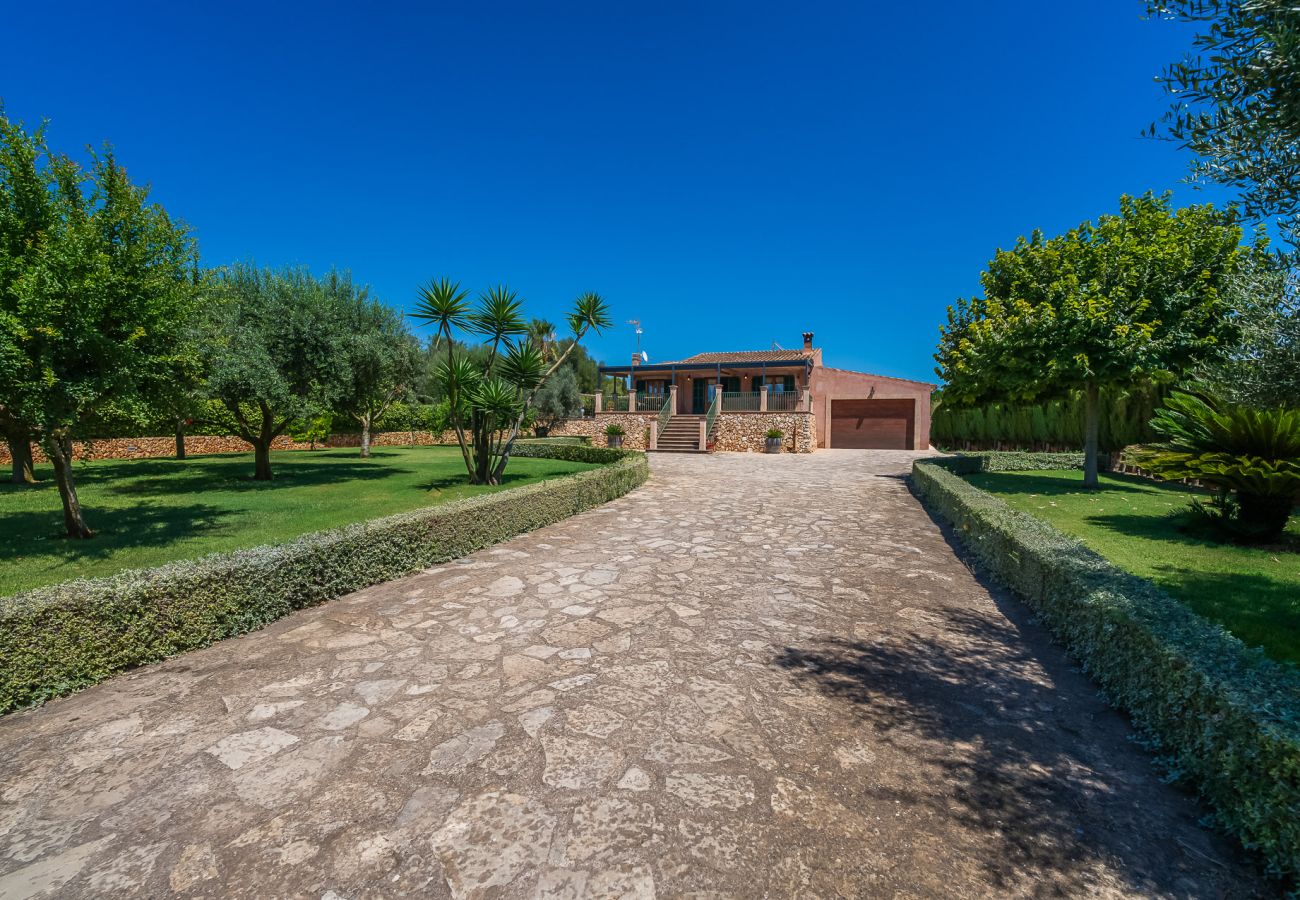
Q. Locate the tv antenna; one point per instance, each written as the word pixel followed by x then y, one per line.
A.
pixel 636 323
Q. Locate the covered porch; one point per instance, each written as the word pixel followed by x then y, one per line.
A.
pixel 682 389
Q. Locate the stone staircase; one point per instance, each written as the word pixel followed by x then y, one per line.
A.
pixel 681 435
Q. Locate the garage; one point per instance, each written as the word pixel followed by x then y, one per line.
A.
pixel 872 424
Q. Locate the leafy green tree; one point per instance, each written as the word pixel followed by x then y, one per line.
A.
pixel 383 358
pixel 1235 99
pixel 96 284
pixel 557 399
pixel 1263 368
pixel 275 351
pixel 1133 297
pixel 1251 455
pixel 313 430
pixel 490 401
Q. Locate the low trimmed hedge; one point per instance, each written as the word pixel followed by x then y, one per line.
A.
pixel 56 639
pixel 1224 718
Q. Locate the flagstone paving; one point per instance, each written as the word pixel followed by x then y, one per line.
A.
pixel 755 676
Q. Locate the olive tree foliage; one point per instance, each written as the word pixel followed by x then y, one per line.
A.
pixel 1237 100
pixel 1131 298
pixel 1262 370
pixel 275 348
pixel 558 398
pixel 383 359
pixel 490 398
pixel 96 284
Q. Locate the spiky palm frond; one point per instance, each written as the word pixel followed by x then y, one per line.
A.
pixel 523 366
pixel 499 315
pixel 1253 452
pixel 498 401
pixel 590 312
pixel 443 305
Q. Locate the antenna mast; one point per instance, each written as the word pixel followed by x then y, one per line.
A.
pixel 637 324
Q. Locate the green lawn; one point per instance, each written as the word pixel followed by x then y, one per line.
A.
pixel 1137 524
pixel 152 511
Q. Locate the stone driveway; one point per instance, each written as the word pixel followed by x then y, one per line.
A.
pixel 757 676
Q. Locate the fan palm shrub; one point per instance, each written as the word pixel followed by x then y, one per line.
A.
pixel 1252 456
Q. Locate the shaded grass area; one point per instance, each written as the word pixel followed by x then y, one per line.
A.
pixel 152 511
pixel 1143 527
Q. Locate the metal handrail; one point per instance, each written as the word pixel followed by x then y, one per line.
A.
pixel 712 415
pixel 666 413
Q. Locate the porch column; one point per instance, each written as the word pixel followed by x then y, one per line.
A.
pixel 600 395
pixel 672 398
pixel 704 435
pixel 654 434
pixel 805 402
pixel 762 399
pixel 631 400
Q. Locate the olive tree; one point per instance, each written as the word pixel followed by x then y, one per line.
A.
pixel 275 351
pixel 383 358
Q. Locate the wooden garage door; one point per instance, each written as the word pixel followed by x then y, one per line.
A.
pixel 872 424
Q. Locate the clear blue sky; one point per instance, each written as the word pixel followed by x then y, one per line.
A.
pixel 731 174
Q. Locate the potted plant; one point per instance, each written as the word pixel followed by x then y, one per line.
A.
pixel 614 435
pixel 774 436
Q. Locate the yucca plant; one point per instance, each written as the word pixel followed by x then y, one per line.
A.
pixel 489 403
pixel 1252 456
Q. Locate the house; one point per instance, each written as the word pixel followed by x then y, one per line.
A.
pixel 728 401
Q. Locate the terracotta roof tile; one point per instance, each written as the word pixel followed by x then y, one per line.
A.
pixel 743 356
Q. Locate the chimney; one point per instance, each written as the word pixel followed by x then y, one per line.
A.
pixel 636 360
pixel 807 340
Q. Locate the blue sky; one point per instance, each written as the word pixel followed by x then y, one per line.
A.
pixel 731 174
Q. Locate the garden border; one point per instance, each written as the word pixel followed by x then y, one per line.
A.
pixel 1223 717
pixel 59 638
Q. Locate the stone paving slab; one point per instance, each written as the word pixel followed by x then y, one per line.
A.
pixel 756 676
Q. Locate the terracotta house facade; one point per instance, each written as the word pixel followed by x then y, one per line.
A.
pixel 709 396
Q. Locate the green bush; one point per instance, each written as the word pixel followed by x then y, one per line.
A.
pixel 1225 718
pixel 1252 453
pixel 56 639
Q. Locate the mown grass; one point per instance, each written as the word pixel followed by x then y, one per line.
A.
pixel 1143 527
pixel 151 511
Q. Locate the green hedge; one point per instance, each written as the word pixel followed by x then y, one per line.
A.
pixel 56 639
pixel 1224 717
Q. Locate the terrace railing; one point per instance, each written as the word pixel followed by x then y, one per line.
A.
pixel 783 401
pixel 741 401
pixel 587 408
pixel 649 402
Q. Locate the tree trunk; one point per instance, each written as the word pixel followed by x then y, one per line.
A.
pixel 262 460
pixel 365 438
pixel 180 438
pixel 1091 430
pixel 20 455
pixel 59 448
pixel 1263 517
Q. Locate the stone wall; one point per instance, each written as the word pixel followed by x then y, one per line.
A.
pixel 747 432
pixel 732 432
pixel 637 426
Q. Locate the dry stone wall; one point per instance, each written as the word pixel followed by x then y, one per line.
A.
pixel 747 432
pixel 636 425
pixel 733 432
